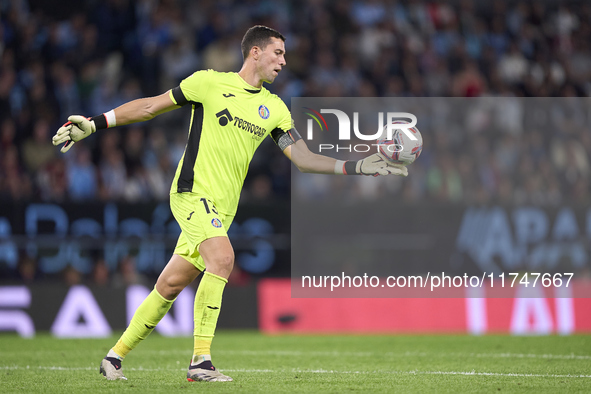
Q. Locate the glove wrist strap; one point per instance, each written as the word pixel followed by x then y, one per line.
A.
pixel 350 168
pixel 100 121
pixel 104 121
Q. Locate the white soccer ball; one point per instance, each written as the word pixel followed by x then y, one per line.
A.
pixel 400 149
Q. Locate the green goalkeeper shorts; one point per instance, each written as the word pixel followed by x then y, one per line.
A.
pixel 199 220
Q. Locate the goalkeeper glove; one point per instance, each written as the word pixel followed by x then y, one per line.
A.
pixel 77 128
pixel 373 165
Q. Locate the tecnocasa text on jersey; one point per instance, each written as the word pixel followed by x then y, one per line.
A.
pixel 250 127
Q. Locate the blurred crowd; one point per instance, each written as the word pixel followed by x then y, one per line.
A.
pixel 55 61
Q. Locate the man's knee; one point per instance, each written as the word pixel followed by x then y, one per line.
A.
pixel 218 256
pixel 222 264
pixel 169 287
pixel 225 261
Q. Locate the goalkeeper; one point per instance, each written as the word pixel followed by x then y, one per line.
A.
pixel 231 114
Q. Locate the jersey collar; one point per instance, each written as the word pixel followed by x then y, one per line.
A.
pixel 248 87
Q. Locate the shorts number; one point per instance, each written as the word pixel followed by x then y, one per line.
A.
pixel 206 205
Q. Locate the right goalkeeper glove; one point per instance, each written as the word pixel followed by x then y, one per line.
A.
pixel 376 165
pixel 373 165
pixel 77 128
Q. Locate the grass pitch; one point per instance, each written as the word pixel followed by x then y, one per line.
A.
pixel 331 364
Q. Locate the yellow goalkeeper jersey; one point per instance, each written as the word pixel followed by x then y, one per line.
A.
pixel 229 120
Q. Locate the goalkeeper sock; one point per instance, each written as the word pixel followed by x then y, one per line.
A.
pixel 198 360
pixel 144 320
pixel 208 302
pixel 114 354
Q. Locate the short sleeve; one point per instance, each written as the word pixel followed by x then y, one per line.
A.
pixel 196 86
pixel 285 122
pixel 285 134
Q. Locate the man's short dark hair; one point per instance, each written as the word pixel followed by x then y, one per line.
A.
pixel 259 36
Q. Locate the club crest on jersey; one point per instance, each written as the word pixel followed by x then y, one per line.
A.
pixel 264 112
pixel 216 222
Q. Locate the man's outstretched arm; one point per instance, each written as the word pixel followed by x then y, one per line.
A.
pixel 307 161
pixel 79 127
pixel 144 109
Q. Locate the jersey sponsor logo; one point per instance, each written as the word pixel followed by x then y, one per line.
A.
pixel 264 112
pixel 224 117
pixel 216 222
pixel 228 95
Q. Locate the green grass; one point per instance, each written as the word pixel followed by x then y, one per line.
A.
pixel 327 364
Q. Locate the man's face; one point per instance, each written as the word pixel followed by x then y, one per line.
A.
pixel 271 60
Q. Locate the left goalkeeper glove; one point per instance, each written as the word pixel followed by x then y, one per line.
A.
pixel 373 165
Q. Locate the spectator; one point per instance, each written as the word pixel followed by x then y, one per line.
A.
pixel 15 184
pixel 113 175
pixel 36 151
pixel 100 273
pixel 127 274
pixel 82 178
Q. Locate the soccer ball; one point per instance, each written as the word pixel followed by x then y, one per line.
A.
pixel 400 149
